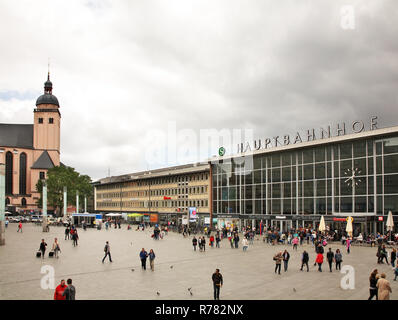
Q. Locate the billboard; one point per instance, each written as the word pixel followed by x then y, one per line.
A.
pixel 193 215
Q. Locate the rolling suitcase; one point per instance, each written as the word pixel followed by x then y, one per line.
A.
pixel 51 254
pixel 38 254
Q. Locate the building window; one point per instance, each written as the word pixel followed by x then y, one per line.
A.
pixel 9 169
pixel 40 120
pixel 22 173
pixel 23 202
pixel 51 120
pixel 42 175
pixel 7 201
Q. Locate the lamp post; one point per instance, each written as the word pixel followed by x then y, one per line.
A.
pixel 44 206
pixel 77 201
pixel 2 203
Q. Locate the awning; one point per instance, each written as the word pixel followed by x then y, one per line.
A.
pixel 113 214
pixel 84 215
pixel 135 215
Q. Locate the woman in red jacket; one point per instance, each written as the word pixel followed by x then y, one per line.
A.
pixel 59 291
pixel 212 241
pixel 319 261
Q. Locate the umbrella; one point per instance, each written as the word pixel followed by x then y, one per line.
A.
pixel 390 223
pixel 348 229
pixel 322 226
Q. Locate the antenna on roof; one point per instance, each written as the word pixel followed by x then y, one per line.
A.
pixel 48 76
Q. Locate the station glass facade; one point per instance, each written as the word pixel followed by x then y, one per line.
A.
pixel 358 176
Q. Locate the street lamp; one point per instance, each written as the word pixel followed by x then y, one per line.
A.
pixel 44 206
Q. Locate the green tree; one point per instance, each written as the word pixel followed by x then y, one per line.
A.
pixel 60 177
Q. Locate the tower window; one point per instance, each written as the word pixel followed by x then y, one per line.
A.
pixel 51 120
pixel 42 175
pixel 40 120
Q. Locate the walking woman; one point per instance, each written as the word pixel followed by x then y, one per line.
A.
pixel 42 248
pixel 152 256
pixel 56 248
pixel 373 285
pixel 278 261
pixel 338 258
pixel 348 243
pixel 384 288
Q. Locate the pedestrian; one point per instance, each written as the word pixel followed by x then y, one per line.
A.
pixel 107 250
pixel 152 259
pixel 70 291
pixel 194 243
pixel 278 261
pixel 384 288
pixel 203 243
pixel 373 285
pixel 212 241
pixel 286 257
pixel 217 283
pixel 42 248
pixel 304 261
pixel 19 227
pixel 218 240
pixel 67 232
pixel 330 258
pixel 319 261
pixel 236 240
pixel 295 243
pixel 348 243
pixel 396 273
pixel 6 223
pixel 393 257
pixel 75 237
pixel 338 258
pixel 56 248
pixel 59 290
pixel 143 257
pixel 383 254
pixel 245 244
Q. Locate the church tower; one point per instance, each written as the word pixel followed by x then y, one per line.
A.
pixel 47 124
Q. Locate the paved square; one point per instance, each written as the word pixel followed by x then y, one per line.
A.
pixel 247 275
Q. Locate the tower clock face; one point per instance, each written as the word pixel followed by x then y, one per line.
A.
pixel 352 177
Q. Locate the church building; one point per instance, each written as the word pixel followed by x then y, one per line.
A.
pixel 29 150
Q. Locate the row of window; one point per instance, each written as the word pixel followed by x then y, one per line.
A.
pixel 23 201
pixel 158 192
pixel 50 120
pixel 311 205
pixel 155 204
pixel 157 181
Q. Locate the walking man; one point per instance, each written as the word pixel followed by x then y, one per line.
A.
pixel 67 231
pixel 194 243
pixel 42 248
pixel 143 257
pixel 217 283
pixel 70 291
pixel 286 257
pixel 338 258
pixel 304 260
pixel 107 250
pixel 330 257
pixel 75 237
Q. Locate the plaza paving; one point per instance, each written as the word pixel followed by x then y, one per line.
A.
pixel 247 275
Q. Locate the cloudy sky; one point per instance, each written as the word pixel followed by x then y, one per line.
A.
pixel 132 75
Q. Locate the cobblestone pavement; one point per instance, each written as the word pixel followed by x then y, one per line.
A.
pixel 247 275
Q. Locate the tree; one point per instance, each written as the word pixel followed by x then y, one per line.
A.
pixel 60 177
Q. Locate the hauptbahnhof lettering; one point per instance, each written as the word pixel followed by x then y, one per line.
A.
pixel 286 186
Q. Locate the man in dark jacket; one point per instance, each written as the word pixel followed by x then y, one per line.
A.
pixel 70 291
pixel 143 257
pixel 194 243
pixel 217 283
pixel 330 257
pixel 286 257
pixel 304 260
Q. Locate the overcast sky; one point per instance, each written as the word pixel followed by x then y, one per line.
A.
pixel 125 72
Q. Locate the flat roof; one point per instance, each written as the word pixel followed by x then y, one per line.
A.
pixel 163 172
pixel 313 143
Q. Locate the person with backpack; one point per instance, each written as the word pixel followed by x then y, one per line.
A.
pixel 286 257
pixel 304 260
pixel 152 256
pixel 330 258
pixel 107 250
